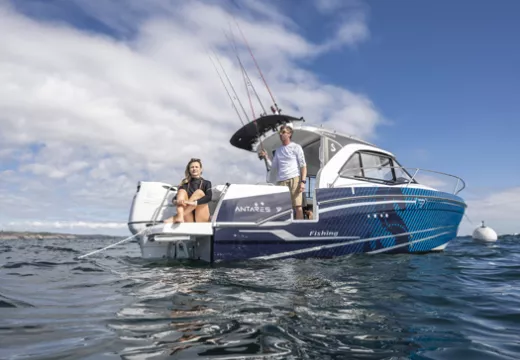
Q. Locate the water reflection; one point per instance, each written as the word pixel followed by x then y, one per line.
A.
pixel 358 308
pixel 303 308
pixel 459 304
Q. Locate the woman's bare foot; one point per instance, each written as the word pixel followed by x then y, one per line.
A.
pixel 178 219
pixel 169 220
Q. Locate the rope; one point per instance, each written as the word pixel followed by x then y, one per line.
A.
pixel 467 217
pixel 109 246
pixel 122 241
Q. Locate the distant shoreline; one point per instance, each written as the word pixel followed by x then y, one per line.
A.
pixel 28 235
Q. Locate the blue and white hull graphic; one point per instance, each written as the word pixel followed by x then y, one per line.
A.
pixel 347 220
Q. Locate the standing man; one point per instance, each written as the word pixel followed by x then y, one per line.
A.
pixel 289 161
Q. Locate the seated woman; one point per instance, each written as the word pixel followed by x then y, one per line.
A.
pixel 193 196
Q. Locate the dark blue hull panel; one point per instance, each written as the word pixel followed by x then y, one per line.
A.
pixel 360 220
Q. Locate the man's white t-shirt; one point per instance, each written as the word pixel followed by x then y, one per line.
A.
pixel 288 159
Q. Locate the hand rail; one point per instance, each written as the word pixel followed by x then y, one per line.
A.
pixel 156 212
pixel 412 179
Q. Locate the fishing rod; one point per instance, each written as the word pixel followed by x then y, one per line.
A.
pixel 238 99
pixel 244 72
pixel 248 94
pixel 227 91
pixel 275 109
pixel 246 78
pixel 232 87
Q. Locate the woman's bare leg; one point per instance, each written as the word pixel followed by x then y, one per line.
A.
pixel 202 213
pixel 195 196
pixel 189 217
pixel 185 212
pixel 181 195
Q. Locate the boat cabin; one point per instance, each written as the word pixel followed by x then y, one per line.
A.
pixel 333 159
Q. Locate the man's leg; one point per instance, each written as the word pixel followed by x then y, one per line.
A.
pixel 296 197
pixel 305 205
pixel 299 212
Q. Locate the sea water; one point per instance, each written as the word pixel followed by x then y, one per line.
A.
pixel 463 303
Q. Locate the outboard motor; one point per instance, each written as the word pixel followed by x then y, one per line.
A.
pixel 146 204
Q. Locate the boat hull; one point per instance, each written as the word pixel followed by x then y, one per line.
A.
pixel 351 220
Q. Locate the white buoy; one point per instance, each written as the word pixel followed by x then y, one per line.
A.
pixel 484 233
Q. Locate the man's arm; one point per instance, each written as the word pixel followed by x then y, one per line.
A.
pixel 263 154
pixel 301 162
pixel 269 163
pixel 304 172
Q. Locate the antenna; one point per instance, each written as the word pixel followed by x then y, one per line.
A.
pixel 227 91
pixel 274 108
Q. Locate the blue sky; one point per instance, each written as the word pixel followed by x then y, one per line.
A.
pixel 446 74
pixel 92 92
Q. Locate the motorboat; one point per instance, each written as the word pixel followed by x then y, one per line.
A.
pixel 362 201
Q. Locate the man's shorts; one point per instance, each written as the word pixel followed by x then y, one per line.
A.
pixel 294 189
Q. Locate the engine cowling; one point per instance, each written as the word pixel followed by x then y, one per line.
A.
pixel 147 202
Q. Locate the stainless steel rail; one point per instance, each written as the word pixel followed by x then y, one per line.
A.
pixel 405 181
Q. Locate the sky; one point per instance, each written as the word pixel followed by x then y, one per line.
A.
pixel 98 95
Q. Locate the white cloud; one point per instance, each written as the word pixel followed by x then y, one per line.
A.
pixel 85 116
pixel 333 6
pixel 349 17
pixel 499 209
pixel 442 182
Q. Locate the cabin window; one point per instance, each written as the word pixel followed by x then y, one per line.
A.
pixel 311 153
pixel 377 167
pixel 352 167
pixel 401 175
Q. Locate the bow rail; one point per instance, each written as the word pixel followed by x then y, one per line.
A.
pixel 408 179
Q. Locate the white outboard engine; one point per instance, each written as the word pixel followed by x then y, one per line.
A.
pixel 146 204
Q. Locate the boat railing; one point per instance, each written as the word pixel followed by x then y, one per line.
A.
pixel 459 186
pixel 162 205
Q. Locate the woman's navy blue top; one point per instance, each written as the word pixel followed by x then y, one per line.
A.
pixel 196 184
